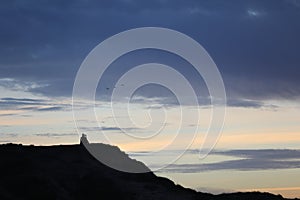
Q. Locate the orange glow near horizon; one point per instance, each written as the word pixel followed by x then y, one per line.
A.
pixel 287 192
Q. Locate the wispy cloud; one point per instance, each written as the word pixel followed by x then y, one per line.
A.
pixel 10 135
pixel 107 128
pixel 240 165
pixel 8 102
pixel 53 108
pixel 254 13
pixel 20 85
pixel 247 103
pixel 249 160
pixel 267 154
pixel 21 99
pixel 55 135
pixel 169 102
pixel 17 106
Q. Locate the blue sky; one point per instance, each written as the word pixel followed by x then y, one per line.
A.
pixel 254 43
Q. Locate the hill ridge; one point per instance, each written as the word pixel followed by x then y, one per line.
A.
pixel 71 172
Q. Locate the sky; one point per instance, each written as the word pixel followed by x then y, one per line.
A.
pixel 254 44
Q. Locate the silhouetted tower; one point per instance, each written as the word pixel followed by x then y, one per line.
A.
pixel 84 140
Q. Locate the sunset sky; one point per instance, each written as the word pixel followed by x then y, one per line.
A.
pixel 255 45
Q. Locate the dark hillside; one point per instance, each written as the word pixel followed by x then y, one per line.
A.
pixel 70 172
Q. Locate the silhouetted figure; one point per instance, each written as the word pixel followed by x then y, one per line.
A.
pixel 84 140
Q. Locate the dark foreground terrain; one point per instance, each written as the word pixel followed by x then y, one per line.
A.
pixel 70 172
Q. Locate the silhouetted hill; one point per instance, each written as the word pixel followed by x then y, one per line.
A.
pixel 70 172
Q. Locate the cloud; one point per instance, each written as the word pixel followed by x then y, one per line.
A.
pixel 8 114
pixel 108 128
pixel 19 106
pixel 54 135
pixel 252 13
pixel 257 60
pixel 246 103
pixel 240 165
pixel 10 135
pixel 273 154
pixel 17 85
pixel 249 160
pixel 21 99
pixel 53 108
pixel 12 102
pixel 167 102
